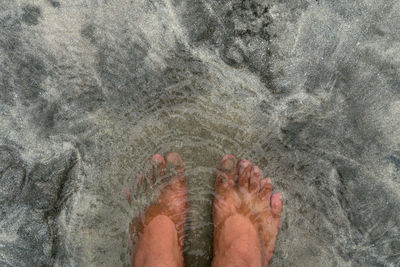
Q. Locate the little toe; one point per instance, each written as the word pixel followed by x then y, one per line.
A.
pixel 276 205
pixel 266 188
pixel 244 169
pixel 276 208
pixel 255 178
pixel 268 251
pixel 158 163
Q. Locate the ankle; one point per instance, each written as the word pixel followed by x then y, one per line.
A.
pixel 237 244
pixel 159 244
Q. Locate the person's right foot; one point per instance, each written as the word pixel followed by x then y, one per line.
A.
pixel 157 235
pixel 246 215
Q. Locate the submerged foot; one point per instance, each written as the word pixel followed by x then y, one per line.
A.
pixel 158 234
pixel 246 215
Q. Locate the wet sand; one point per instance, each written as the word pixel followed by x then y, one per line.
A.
pixel 90 90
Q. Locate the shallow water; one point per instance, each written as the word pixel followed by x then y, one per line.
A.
pixel 202 131
pixel 90 90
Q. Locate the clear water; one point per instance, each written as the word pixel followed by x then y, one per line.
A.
pixel 116 81
pixel 202 128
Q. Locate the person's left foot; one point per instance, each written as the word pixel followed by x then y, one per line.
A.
pixel 165 218
pixel 246 215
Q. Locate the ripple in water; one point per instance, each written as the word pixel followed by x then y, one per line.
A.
pixel 202 122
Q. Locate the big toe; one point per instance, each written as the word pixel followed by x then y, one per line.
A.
pixel 226 173
pixel 174 164
pixel 227 166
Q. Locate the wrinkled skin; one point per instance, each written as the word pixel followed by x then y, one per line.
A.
pixel 242 194
pixel 171 205
pixel 246 216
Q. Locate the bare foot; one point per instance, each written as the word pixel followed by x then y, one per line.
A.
pixel 158 234
pixel 246 215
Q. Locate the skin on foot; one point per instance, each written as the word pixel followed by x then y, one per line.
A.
pixel 244 206
pixel 165 218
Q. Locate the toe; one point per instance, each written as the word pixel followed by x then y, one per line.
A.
pixel 158 163
pixel 244 169
pixel 227 166
pixel 174 159
pixel 276 205
pixel 127 193
pixel 226 173
pixel 222 184
pixel 276 208
pixel 268 251
pixel 266 188
pixel 255 178
pixel 174 164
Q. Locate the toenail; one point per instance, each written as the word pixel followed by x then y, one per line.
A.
pixel 256 170
pixel 227 165
pixel 244 163
pixel 157 159
pixel 174 159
